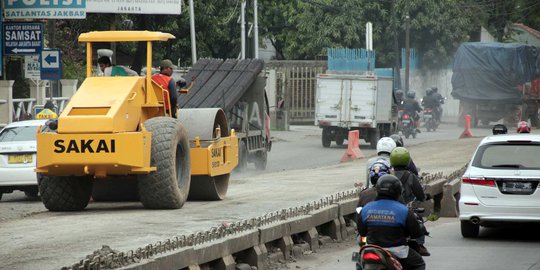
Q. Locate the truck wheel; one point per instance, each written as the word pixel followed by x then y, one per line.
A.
pixel 31 192
pixel 208 188
pixel 261 159
pixel 168 186
pixel 242 156
pixel 116 189
pixel 326 141
pixel 65 193
pixel 374 137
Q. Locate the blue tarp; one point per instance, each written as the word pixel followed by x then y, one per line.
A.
pixel 492 71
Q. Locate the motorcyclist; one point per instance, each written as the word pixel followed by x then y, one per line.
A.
pixel 430 101
pixel 399 143
pixel 440 100
pixel 400 159
pixel 379 169
pixel 385 145
pixel 411 106
pixel 387 223
pixel 399 96
pixel 523 127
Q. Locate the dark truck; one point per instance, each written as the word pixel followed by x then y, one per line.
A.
pixel 495 81
pixel 238 87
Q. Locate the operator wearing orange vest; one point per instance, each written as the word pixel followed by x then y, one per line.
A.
pixel 165 80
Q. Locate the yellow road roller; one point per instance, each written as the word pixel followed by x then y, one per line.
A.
pixel 119 129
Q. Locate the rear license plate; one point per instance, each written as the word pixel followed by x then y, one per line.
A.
pixel 427 115
pixel 17 159
pixel 517 187
pixel 406 121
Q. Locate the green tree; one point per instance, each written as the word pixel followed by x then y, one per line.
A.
pixel 304 29
pixel 437 28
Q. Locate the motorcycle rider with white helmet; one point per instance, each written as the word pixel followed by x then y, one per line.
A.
pixel 385 145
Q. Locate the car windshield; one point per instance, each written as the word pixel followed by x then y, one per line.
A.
pixel 508 156
pixel 16 134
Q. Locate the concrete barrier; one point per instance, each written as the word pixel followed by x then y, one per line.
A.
pixel 444 189
pixel 273 237
pixel 450 197
pixel 276 236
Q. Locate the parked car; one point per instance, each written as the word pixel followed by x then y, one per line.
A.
pixel 501 183
pixel 18 157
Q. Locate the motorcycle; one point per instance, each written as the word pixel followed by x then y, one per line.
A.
pixel 408 127
pixel 430 121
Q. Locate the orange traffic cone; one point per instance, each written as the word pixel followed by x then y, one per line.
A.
pixel 353 147
pixel 467 132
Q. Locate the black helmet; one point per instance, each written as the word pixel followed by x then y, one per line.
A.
pixel 434 89
pixel 411 94
pixel 429 92
pixel 398 139
pixel 389 186
pixel 499 129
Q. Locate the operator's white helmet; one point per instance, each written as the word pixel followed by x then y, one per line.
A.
pixel 385 145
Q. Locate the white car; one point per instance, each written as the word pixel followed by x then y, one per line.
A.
pixel 501 183
pixel 18 157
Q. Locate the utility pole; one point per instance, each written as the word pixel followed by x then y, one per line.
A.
pixel 243 29
pixel 192 32
pixel 51 29
pixel 407 52
pixel 256 26
pixel 397 65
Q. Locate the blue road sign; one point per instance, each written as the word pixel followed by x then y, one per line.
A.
pixel 22 38
pixel 51 64
pixel 45 9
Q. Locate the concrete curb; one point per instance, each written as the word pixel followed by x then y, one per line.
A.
pixel 276 241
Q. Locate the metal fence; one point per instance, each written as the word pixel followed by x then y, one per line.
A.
pixel 23 108
pixel 296 83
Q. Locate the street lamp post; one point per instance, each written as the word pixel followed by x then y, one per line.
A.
pixel 407 53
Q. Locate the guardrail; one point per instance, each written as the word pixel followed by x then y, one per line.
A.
pixel 258 241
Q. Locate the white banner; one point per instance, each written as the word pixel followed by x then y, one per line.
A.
pixel 31 67
pixel 134 6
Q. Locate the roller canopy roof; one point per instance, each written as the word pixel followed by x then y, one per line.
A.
pixel 119 36
pixel 219 83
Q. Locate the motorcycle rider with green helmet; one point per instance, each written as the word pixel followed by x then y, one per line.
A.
pixel 399 143
pixel 400 159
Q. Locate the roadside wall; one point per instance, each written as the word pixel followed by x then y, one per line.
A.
pixel 421 80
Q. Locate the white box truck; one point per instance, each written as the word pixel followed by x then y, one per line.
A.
pixel 346 102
